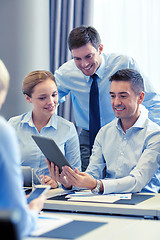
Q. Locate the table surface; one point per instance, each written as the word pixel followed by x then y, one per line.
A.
pixel 117 227
pixel 148 208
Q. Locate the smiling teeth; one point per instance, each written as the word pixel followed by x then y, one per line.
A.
pixel 87 68
pixel 119 109
pixel 50 107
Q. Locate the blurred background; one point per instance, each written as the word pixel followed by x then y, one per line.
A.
pixel 33 35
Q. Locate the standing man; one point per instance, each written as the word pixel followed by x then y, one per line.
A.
pixel 128 148
pixel 86 76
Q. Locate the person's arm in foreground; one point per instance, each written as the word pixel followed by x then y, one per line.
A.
pixel 11 180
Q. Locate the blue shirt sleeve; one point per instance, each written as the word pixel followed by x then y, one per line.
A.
pixel 11 182
pixel 72 152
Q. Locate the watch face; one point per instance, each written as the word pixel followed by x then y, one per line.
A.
pixel 95 190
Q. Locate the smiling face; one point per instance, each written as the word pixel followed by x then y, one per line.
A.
pixel 125 103
pixel 87 58
pixel 44 99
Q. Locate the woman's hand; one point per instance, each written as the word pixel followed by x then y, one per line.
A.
pixel 49 181
pixel 37 204
pixel 56 176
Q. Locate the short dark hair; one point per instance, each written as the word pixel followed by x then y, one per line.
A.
pixel 82 35
pixel 129 75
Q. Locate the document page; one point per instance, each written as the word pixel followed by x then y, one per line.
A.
pixel 88 196
pixel 46 223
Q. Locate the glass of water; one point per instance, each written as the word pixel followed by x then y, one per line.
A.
pixel 38 177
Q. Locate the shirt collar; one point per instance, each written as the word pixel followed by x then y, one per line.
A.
pixel 28 119
pixel 100 70
pixel 140 123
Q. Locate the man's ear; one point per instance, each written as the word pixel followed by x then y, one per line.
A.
pixel 100 48
pixel 141 97
pixel 28 99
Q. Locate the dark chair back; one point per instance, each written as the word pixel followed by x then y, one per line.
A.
pixel 9 224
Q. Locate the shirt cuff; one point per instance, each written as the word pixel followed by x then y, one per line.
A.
pixel 121 185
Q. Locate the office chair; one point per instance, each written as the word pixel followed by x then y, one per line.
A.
pixel 9 224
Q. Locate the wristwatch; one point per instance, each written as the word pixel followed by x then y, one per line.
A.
pixel 96 190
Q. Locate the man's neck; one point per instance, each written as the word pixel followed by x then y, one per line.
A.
pixel 126 124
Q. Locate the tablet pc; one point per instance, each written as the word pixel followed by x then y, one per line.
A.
pixel 51 151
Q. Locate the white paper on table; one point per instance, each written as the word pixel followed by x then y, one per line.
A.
pixel 88 196
pixel 57 192
pixel 47 223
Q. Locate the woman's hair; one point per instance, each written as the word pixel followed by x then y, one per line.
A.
pixel 82 35
pixel 34 78
pixel 4 77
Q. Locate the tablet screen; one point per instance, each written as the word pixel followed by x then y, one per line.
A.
pixel 51 151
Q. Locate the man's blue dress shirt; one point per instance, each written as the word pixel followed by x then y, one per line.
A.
pixel 70 79
pixel 12 196
pixel 132 159
pixel 59 129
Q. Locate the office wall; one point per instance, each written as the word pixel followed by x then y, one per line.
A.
pixel 24 46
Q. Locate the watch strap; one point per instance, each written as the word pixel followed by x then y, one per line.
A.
pixel 96 190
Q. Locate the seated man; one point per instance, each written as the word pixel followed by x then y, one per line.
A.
pixel 126 152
